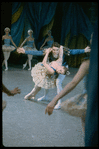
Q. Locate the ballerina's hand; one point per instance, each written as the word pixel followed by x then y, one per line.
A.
pixel 50 107
pixel 87 49
pixel 21 50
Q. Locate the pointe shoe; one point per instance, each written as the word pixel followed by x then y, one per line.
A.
pixel 29 69
pixel 58 106
pixel 42 98
pixel 6 69
pixel 24 65
pixel 29 96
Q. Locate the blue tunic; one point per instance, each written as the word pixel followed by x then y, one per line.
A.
pixel 30 43
pixel 7 42
pixel 50 42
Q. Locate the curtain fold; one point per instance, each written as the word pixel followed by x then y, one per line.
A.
pixel 76 22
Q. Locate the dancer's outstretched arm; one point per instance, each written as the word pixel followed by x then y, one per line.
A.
pixel 38 53
pixel 44 62
pixel 83 70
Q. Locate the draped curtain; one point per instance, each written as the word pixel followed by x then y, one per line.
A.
pixel 76 28
pixel 76 31
pixel 30 15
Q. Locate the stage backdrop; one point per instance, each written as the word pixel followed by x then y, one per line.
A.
pixel 75 25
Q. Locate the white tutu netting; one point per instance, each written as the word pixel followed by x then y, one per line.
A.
pixel 41 78
pixel 75 106
pixel 8 48
pixel 29 48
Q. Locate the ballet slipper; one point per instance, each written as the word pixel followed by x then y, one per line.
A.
pixel 29 96
pixel 42 98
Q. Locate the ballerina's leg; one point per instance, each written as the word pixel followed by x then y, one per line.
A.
pixel 33 93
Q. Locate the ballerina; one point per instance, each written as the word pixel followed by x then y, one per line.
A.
pixel 7 48
pixel 49 40
pixel 44 74
pixel 30 46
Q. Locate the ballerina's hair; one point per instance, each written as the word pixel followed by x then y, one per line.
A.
pixel 30 30
pixel 7 28
pixel 56 44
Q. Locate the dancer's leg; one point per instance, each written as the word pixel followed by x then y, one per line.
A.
pixel 59 81
pixel 29 61
pixel 33 93
pixel 24 65
pixel 45 97
pixel 6 57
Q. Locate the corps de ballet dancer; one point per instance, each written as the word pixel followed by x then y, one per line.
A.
pixel 49 40
pixel 7 47
pixel 30 46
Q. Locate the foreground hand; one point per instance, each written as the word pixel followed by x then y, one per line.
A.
pixel 15 91
pixel 50 107
pixel 21 50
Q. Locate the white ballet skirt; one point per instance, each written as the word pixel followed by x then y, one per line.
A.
pixel 41 78
pixel 7 47
pixel 30 46
pixel 75 106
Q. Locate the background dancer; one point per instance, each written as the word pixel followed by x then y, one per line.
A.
pixel 49 40
pixel 7 47
pixel 30 46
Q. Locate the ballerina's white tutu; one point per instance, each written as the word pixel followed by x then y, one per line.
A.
pixel 41 78
pixel 30 46
pixel 7 47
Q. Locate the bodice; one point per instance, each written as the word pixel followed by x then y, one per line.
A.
pixel 7 42
pixel 50 42
pixel 30 43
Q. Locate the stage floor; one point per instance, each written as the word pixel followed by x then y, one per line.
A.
pixel 24 123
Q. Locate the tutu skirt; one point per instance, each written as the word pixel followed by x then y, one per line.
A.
pixel 41 78
pixel 8 48
pixel 75 106
pixel 29 48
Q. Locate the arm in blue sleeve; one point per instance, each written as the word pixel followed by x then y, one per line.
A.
pixel 38 53
pixel 76 51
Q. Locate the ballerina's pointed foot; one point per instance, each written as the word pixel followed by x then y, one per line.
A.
pixel 29 69
pixel 58 106
pixel 24 65
pixel 42 98
pixel 29 96
pixel 6 69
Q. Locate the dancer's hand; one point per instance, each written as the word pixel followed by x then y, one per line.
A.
pixel 50 107
pixel 14 92
pixel 21 50
pixel 87 49
pixel 47 51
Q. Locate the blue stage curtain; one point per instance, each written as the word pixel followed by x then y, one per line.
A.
pixel 30 15
pixel 39 15
pixel 74 21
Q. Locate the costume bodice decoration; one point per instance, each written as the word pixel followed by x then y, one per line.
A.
pixel 7 42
